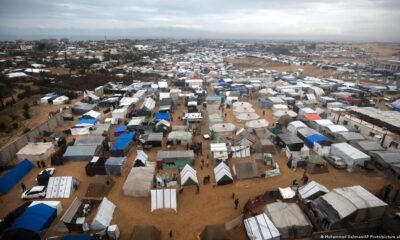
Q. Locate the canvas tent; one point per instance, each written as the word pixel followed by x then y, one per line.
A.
pixel 289 140
pixel 104 215
pixel 115 165
pixel 139 182
pixel 311 191
pixel 180 137
pixel 295 125
pixel 36 218
pixel 148 232
pixel 89 140
pixel 54 204
pixel 36 151
pixel 214 232
pixel 350 155
pixel 100 186
pixel 188 176
pixel 61 187
pixel 368 146
pixel 386 158
pixel 163 198
pixel 16 174
pixel 255 124
pixel 289 219
pixel 245 170
pixel 175 159
pixel 123 143
pixel 81 153
pixel 140 159
pixel 223 174
pixel 222 128
pixel 96 166
pixel 247 117
pixel 260 227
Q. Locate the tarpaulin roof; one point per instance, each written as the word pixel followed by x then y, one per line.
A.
pixel 8 180
pixel 310 189
pixel 163 116
pixel 123 141
pixel 120 128
pixel 311 139
pixel 312 117
pixel 86 121
pixel 260 227
pixel 163 198
pixel 36 218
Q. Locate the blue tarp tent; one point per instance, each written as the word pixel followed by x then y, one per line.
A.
pixel 8 180
pixel 86 121
pixel 163 116
pixel 36 218
pixel 223 84
pixel 120 129
pixel 310 140
pixel 122 144
pixel 85 236
pixel 241 89
pixel 396 108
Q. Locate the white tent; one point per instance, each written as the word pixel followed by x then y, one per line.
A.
pixel 188 176
pixel 139 182
pixel 104 215
pixel 36 151
pixel 277 107
pixel 240 151
pixel 92 114
pixel 239 110
pixel 61 187
pixel 163 198
pixel 142 157
pixel 242 104
pixel 247 116
pixel 219 151
pixel 278 114
pixel 255 124
pixel 223 174
pixel 60 100
pixel 119 113
pixel 351 155
pixel 223 127
pixel 287 193
pixel 311 190
pixel 295 125
pixel 260 227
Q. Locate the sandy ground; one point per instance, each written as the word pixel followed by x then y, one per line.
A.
pixel 252 63
pixel 212 206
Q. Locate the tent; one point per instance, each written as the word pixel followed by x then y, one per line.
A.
pixel 223 174
pixel 348 137
pixel 115 165
pixel 247 116
pixel 368 146
pixel 242 104
pixel 386 158
pixel 163 116
pixel 295 125
pixel 291 141
pixel 214 232
pixel 255 124
pixel 188 176
pixel 260 227
pixel 239 110
pixel 61 187
pixel 350 155
pixel 315 138
pixel 139 182
pixel 36 218
pixel 123 143
pixel 119 113
pixel 89 140
pixel 175 159
pixel 36 151
pixel 219 151
pixel 82 108
pixel 311 191
pixel 316 164
pixel 81 153
pixel 119 129
pixel 221 128
pixel 289 219
pixel 96 166
pixel 180 137
pixel 148 232
pixel 240 151
pixel 92 114
pixel 101 129
pixel 54 204
pixel 100 186
pixel 312 117
pixel 140 159
pixel 104 215
pixel 163 198
pixel 150 140
pixel 12 177
pixel 245 170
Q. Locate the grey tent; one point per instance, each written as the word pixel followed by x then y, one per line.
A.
pixel 82 108
pixel 81 153
pixel 385 158
pixel 289 219
pixel 101 129
pixel 246 170
pixel 115 165
pixel 214 232
pixel 146 232
pixel 89 140
pixel 367 146
pixel 100 186
pixel 348 137
pixel 139 182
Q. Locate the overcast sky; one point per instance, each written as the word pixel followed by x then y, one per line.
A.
pixel 359 20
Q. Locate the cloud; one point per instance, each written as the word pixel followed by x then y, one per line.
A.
pixel 366 20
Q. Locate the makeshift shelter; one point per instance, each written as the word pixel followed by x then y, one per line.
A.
pixel 289 140
pixel 368 146
pixel 119 113
pixel 60 100
pixel 240 151
pixel 295 125
pixel 255 124
pixel 123 144
pixel 151 140
pixel 119 130
pixel 386 159
pixel 266 146
pixel 316 164
pixel 320 124
pixel 245 137
pixel 162 116
pixel 140 159
pixel 223 128
pixel 16 174
pixel 223 174
pixel 285 119
pixel 311 191
pixel 348 137
pixel 104 215
pixel 219 151
pixel 100 186
pixel 179 137
pixel 260 227
pixel 36 218
pixel 115 165
pixel 82 108
pixel 175 159
pixel 214 232
pixel 350 155
pixel 315 138
pixel 289 219
pixel 36 151
pixel 188 176
pixel 311 117
pixel 96 166
pixel 139 182
pixel 54 204
pixel 101 129
pixel 247 117
pixel 163 198
pixel 148 232
pixel 92 114
pixel 89 140
pixel 245 170
pixel 81 153
pixel 61 187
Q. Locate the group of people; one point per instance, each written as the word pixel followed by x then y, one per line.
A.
pixel 41 164
pixel 197 148
pixel 304 179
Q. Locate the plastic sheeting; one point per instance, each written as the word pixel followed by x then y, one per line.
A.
pixel 104 215
pixel 12 177
pixel 36 151
pixel 163 198
pixel 260 227
pixel 139 182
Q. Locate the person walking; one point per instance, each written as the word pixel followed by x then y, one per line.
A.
pixel 305 180
pixel 170 233
pixel 236 203
pixel 233 195
pixel 43 164
pixel 38 164
pixel 197 188
pixel 23 187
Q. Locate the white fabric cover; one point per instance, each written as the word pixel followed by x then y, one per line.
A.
pixel 104 215
pixel 261 227
pixel 36 151
pixel 188 173
pixel 163 198
pixel 60 187
pixel 139 182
